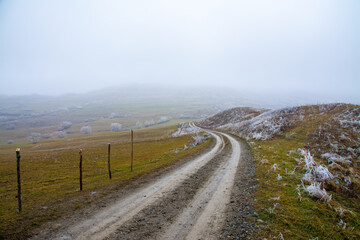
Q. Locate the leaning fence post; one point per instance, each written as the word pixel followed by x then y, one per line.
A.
pixel 109 161
pixel 18 178
pixel 132 148
pixel 80 166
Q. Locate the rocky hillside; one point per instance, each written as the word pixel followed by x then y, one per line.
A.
pixel 306 152
pixel 332 129
pixel 232 116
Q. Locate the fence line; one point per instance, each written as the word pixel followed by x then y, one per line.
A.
pixel 18 157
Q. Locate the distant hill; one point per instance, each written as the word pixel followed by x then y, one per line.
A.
pixel 129 104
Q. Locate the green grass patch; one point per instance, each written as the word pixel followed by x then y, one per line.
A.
pixel 279 207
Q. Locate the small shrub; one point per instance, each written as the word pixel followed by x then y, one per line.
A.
pixel 275 167
pixel 149 123
pixel 163 119
pixel 85 129
pixel 65 125
pixel 184 129
pixel 271 210
pixel 10 127
pixel 10 142
pixel 322 173
pixel 34 137
pixel 114 115
pixel 138 124
pixel 314 190
pixel 200 139
pixel 46 136
pixel 115 127
pixel 60 134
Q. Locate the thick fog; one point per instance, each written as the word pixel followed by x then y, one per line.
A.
pixel 75 46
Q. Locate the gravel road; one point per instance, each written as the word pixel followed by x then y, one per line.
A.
pixel 200 199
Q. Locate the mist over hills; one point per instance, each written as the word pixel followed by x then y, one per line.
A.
pixel 135 103
pixel 220 98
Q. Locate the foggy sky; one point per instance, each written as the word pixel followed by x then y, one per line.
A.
pixel 61 46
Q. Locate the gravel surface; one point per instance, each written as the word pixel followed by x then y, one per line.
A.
pixel 150 223
pixel 241 213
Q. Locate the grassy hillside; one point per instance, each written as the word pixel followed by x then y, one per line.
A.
pixel 308 168
pixel 50 172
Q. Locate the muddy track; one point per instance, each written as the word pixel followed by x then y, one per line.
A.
pixel 193 201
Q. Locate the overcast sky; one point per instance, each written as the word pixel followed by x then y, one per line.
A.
pixel 60 46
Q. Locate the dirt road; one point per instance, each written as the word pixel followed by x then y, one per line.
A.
pixel 192 201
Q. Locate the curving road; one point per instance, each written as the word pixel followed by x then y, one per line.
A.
pixel 204 216
pixel 186 203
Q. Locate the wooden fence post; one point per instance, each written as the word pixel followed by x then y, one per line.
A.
pixel 18 178
pixel 109 161
pixel 80 166
pixel 132 148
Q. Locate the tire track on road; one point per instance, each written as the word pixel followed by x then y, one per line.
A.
pixel 204 216
pixel 149 223
pixel 111 218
